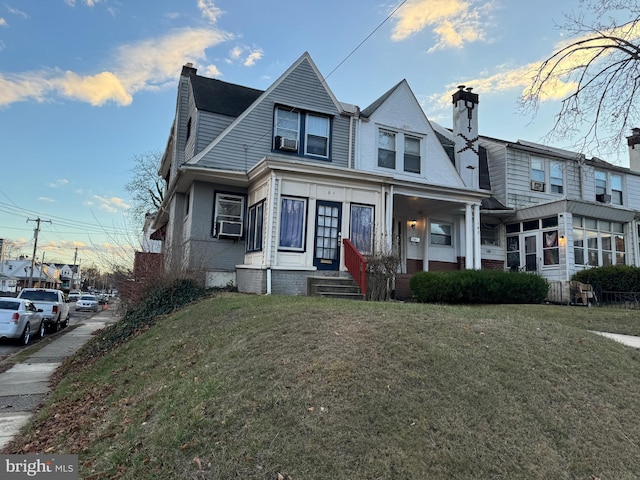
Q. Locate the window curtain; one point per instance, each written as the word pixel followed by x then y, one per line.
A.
pixel 362 228
pixel 291 223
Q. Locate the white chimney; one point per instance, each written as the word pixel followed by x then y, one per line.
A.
pixel 633 142
pixel 465 133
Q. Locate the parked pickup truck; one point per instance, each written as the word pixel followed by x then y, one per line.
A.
pixel 55 308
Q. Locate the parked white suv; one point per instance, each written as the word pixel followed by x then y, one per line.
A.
pixel 55 308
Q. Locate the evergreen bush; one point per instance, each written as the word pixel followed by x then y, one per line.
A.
pixel 478 286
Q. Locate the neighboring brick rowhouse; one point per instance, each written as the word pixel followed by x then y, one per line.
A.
pixel 147 265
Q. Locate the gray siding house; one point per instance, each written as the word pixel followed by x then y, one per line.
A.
pixel 265 189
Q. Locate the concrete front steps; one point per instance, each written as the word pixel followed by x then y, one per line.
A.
pixel 334 287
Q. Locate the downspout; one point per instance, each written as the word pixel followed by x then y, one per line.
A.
pixel 349 162
pixel 272 195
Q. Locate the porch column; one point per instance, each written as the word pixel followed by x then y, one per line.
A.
pixel 389 220
pixel 469 240
pixel 477 257
pixel 426 238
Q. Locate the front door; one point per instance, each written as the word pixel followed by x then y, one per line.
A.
pixel 328 235
pixel 531 253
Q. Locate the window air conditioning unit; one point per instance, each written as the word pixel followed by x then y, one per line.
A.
pixel 287 144
pixel 229 229
pixel 537 186
pixel 603 198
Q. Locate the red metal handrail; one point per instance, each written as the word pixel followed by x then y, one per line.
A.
pixel 356 264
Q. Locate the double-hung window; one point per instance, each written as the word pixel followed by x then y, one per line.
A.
pixel 228 215
pixel 616 189
pixel 301 132
pixel 556 177
pixel 441 234
pixel 287 124
pixel 411 154
pixel 386 149
pixel 255 215
pixel 601 182
pixel 317 136
pixel 537 170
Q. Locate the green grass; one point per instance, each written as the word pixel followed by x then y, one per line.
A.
pixel 252 387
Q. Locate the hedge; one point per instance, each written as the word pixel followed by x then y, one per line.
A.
pixel 478 286
pixel 621 278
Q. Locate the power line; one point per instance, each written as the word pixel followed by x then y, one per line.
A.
pixel 366 38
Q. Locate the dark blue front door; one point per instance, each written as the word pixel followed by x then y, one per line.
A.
pixel 328 234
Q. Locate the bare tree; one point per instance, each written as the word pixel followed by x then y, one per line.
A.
pixel 146 187
pixel 596 74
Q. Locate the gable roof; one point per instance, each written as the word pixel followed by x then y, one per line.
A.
pixel 367 112
pixel 220 97
pixel 305 57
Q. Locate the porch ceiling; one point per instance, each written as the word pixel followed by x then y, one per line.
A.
pixel 429 206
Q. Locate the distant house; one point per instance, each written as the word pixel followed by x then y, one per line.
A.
pixel 8 285
pixel 265 189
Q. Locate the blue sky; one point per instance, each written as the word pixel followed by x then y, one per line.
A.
pixel 86 85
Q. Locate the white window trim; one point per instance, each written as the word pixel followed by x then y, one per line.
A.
pixel 452 234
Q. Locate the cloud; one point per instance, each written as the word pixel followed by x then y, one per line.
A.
pixel 246 55
pixel 146 65
pixel 212 71
pixel 556 87
pixel 88 3
pixel 15 11
pixel 46 199
pixel 253 57
pixel 110 204
pixel 209 10
pixel 59 183
pixel 455 22
pixel 3 22
pixel 94 89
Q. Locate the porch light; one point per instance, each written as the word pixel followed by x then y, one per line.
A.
pixel 562 241
pixel 413 224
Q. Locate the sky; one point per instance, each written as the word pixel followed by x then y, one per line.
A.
pixel 87 85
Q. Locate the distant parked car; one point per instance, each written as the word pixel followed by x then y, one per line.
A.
pixel 19 318
pixel 88 302
pixel 74 295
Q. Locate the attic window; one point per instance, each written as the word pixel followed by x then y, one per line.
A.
pixel 188 128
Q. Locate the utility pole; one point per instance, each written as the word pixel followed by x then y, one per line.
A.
pixel 41 268
pixel 73 272
pixel 36 231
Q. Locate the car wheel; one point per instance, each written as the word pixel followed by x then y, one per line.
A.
pixel 65 324
pixel 41 329
pixel 55 326
pixel 26 335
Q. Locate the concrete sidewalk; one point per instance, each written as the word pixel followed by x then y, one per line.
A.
pixel 627 340
pixel 24 386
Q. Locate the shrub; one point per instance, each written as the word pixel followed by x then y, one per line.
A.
pixel 478 286
pixel 621 278
pixel 381 270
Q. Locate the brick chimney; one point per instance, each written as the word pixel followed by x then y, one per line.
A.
pixel 188 69
pixel 465 133
pixel 633 142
